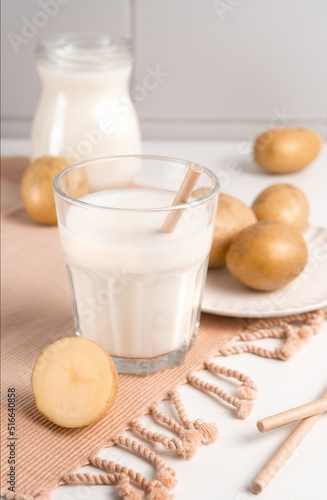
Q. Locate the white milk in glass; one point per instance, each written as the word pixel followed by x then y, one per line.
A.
pixel 136 290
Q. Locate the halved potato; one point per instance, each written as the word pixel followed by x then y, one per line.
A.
pixel 74 382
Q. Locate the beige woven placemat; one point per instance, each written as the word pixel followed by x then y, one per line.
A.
pixel 36 311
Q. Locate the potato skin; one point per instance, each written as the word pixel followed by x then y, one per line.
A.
pixel 232 216
pixel 36 188
pixel 267 255
pixel 284 150
pixel 283 203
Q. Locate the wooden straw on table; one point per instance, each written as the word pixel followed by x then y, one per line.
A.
pixel 284 452
pixel 182 196
pixel 289 416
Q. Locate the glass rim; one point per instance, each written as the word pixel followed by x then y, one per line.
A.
pixel 86 50
pixel 83 204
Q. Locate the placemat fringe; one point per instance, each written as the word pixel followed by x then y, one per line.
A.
pixel 295 330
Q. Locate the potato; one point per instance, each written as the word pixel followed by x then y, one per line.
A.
pixel 283 203
pixel 284 150
pixel 232 216
pixel 267 255
pixel 37 191
pixel 75 183
pixel 74 382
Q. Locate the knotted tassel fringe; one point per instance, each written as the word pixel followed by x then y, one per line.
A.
pixel 191 434
pixel 166 474
pixel 156 491
pixel 208 431
pixel 190 438
pixel 125 490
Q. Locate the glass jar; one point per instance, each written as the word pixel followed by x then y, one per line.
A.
pixel 85 110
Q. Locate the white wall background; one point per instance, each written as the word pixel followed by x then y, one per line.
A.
pixel 232 67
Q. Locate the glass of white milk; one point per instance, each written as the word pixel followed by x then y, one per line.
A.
pixel 135 290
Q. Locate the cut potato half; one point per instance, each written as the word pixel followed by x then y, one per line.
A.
pixel 74 382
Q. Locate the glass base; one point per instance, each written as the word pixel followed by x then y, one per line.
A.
pixel 154 365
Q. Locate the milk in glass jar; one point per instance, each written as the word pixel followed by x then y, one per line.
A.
pixel 85 110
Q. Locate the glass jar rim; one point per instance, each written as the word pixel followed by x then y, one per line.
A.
pixel 83 51
pixel 84 204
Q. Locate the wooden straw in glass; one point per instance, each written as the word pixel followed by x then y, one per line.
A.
pixel 182 196
pixel 284 452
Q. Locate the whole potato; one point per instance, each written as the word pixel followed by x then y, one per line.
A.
pixel 267 255
pixel 75 183
pixel 232 216
pixel 283 203
pixel 284 150
pixel 36 188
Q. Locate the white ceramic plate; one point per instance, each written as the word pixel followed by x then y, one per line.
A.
pixel 224 295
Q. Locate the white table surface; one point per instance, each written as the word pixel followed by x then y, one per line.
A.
pixel 225 469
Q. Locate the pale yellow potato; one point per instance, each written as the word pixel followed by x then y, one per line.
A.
pixel 267 256
pixel 74 382
pixel 283 203
pixel 75 183
pixel 37 191
pixel 232 216
pixel 284 150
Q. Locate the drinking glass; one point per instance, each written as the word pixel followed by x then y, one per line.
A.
pixel 136 290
